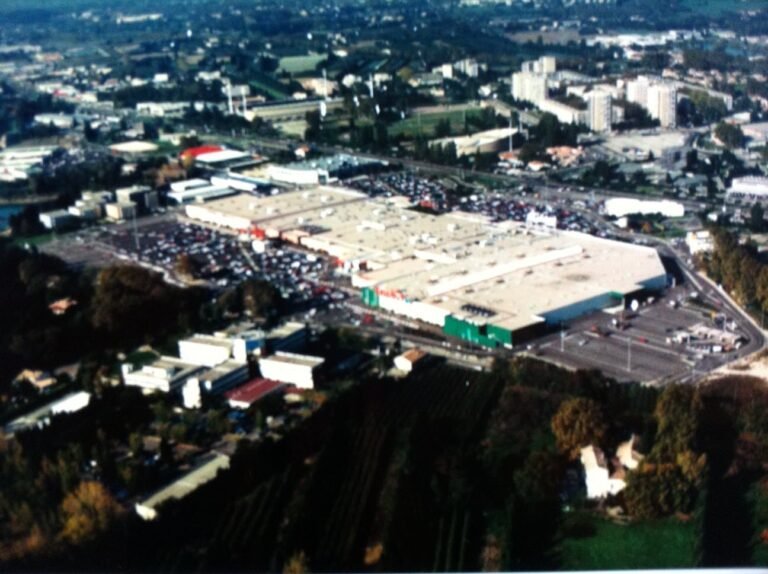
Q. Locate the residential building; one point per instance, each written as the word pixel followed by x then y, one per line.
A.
pixel 601 482
pixel 529 87
pixel 564 113
pixel 599 111
pixel 662 104
pixel 637 91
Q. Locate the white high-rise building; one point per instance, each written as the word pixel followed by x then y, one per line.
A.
pixel 600 111
pixel 529 87
pixel 548 64
pixel 637 91
pixel 544 65
pixel 662 104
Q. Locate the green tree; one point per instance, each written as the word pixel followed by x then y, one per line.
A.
pixel 730 134
pixel 677 414
pixel 757 217
pixel 578 423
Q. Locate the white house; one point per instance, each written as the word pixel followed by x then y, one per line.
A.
pixel 600 482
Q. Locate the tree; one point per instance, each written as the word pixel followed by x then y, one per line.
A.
pixel 677 413
pixel 87 511
pixel 261 298
pixel 578 422
pixel 730 135
pixel 297 564
pixel 443 128
pixel 757 217
pixel 185 265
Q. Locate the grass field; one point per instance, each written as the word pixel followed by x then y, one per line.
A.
pixel 409 127
pixel 300 64
pixel 271 90
pixel 662 544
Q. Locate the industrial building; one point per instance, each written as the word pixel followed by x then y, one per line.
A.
pixel 57 219
pixel 489 283
pixel 621 206
pixel 252 392
pixel 748 188
pixel 489 141
pixel 165 374
pixel 292 368
pixel 204 472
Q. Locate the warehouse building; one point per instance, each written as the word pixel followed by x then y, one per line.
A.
pixel 749 188
pixel 292 368
pixel 205 472
pixel 244 396
pixel 492 284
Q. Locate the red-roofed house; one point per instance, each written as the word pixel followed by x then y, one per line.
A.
pixel 251 392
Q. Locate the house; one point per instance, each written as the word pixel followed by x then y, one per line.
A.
pixel 409 360
pixel 627 455
pixel 608 477
pixel 601 482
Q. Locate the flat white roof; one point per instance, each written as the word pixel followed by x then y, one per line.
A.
pixel 222 156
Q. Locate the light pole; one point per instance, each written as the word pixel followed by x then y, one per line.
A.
pixel 562 341
pixel 629 354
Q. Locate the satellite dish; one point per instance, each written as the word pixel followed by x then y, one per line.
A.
pixel 634 305
pixel 323 109
pixel 378 109
pixel 189 33
pixel 357 102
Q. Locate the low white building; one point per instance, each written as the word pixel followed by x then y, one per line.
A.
pixel 120 211
pixel 750 188
pixel 699 241
pixel 409 360
pixel 292 368
pixel 621 206
pixel 205 472
pixel 56 219
pixel 71 403
pixel 164 375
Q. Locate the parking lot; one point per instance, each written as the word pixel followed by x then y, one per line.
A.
pixel 503 205
pixel 638 350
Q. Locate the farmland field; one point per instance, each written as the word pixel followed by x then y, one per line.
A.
pixel 366 483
